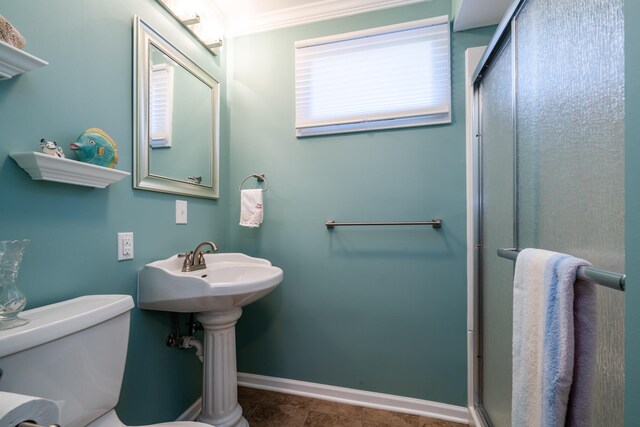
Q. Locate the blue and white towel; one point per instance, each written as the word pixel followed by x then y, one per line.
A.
pixel 554 339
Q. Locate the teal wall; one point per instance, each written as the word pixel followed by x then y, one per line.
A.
pixel 380 309
pixel 632 213
pixel 88 83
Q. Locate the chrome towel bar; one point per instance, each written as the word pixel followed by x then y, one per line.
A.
pixel 330 224
pixel 599 277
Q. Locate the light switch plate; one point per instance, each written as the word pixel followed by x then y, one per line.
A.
pixel 181 212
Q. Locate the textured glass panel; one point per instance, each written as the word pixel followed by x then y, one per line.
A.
pixel 570 142
pixel 497 232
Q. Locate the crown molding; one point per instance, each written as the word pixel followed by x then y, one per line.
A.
pixel 311 12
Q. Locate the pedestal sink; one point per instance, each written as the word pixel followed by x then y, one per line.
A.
pixel 216 294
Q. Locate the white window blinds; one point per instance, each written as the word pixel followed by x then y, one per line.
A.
pixel 395 76
pixel 160 105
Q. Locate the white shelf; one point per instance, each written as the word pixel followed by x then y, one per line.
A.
pixel 14 61
pixel 51 168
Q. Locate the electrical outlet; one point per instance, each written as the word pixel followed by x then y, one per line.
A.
pixel 125 246
pixel 181 211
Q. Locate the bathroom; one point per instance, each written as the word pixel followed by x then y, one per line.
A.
pixel 382 310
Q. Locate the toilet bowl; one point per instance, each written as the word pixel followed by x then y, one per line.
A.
pixel 73 352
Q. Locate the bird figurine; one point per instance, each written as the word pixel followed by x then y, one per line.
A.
pixel 51 148
pixel 94 146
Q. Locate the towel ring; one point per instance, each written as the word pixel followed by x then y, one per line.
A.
pixel 259 177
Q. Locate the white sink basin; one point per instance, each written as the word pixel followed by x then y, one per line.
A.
pixel 229 281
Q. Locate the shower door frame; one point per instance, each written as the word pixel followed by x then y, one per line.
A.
pixel 506 31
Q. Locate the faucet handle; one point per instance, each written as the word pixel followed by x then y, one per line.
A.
pixel 201 256
pixel 188 260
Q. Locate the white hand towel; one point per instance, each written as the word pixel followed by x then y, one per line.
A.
pixel 251 210
pixel 554 340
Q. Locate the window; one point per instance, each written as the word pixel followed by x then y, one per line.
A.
pixel 160 105
pixel 388 77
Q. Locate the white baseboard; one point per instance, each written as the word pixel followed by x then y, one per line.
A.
pixel 367 399
pixel 350 396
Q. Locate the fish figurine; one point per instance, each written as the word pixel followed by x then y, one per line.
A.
pixel 51 148
pixel 94 146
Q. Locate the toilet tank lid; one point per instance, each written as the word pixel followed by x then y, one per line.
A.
pixel 55 321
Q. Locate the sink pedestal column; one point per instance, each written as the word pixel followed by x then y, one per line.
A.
pixel 220 386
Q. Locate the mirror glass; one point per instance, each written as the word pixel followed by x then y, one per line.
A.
pixel 176 145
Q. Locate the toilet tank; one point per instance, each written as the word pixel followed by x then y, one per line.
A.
pixel 73 352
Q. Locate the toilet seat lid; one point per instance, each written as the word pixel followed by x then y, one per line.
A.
pixel 110 419
pixel 179 424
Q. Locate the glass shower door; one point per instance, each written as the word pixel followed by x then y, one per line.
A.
pixel 570 142
pixel 551 134
pixel 496 230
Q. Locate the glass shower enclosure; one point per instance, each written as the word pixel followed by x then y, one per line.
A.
pixel 550 159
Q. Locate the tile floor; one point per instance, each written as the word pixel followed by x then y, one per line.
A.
pixel 270 409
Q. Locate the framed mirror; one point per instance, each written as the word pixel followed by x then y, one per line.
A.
pixel 176 112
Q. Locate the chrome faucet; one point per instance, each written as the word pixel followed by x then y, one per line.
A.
pixel 194 260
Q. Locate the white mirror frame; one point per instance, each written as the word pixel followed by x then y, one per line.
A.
pixel 142 178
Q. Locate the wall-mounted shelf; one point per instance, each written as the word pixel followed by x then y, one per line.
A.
pixel 14 61
pixel 51 168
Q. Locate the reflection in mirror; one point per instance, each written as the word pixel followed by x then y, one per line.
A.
pixel 180 110
pixel 160 104
pixel 176 120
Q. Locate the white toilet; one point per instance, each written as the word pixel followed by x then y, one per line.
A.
pixel 74 352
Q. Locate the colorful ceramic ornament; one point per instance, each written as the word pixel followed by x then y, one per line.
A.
pixel 96 147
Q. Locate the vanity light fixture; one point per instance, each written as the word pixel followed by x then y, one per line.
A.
pixel 201 19
pixel 190 20
pixel 214 44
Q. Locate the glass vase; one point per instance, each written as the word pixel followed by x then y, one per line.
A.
pixel 12 301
